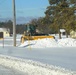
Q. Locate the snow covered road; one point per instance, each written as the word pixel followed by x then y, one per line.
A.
pixel 63 57
pixel 29 67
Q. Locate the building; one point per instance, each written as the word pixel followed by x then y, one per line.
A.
pixel 73 34
pixel 6 32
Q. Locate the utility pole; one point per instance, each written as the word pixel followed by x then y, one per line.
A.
pixel 14 23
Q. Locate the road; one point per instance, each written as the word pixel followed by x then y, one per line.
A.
pixel 64 57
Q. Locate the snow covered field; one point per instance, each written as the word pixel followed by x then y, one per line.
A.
pixel 42 57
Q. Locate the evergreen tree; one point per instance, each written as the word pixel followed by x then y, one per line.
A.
pixel 62 14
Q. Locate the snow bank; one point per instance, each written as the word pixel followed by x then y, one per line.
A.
pixel 40 43
pixel 68 42
pixel 30 67
pixel 47 42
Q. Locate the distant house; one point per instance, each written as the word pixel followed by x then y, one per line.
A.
pixel 73 34
pixel 6 32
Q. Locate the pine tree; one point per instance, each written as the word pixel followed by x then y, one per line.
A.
pixel 62 14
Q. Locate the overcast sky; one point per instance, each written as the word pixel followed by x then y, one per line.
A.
pixel 24 8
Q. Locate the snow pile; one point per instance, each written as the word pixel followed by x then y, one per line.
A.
pixel 40 43
pixel 30 67
pixel 47 42
pixel 68 42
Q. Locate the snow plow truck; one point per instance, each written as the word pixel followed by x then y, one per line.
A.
pixel 31 33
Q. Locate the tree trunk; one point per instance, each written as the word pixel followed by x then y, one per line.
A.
pixel 66 34
pixel 59 34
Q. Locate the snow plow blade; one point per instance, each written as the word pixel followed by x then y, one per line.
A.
pixel 23 38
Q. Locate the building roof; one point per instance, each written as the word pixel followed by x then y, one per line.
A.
pixel 4 29
pixel 62 30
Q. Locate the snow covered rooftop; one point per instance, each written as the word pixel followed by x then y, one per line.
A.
pixel 62 30
pixel 4 29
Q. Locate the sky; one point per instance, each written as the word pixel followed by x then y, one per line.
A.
pixel 25 9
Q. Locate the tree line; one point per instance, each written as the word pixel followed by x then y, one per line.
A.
pixel 20 28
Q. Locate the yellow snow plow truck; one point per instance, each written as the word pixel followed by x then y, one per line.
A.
pixel 31 33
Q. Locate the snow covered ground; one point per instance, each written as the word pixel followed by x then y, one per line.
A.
pixel 39 57
pixel 8 71
pixel 30 67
